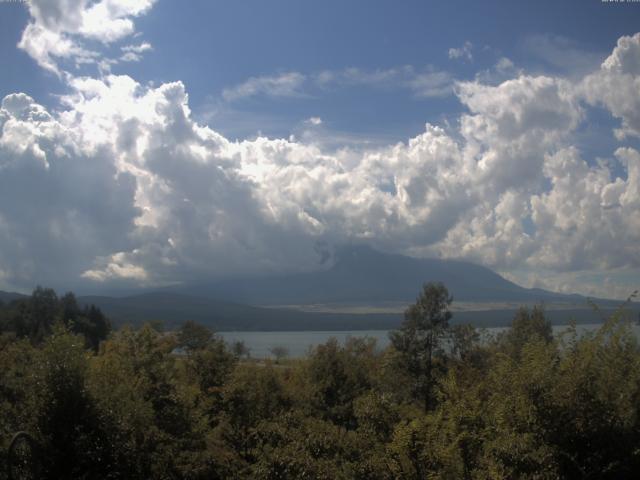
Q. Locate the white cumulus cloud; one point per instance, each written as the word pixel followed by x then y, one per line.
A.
pixel 177 201
pixel 617 85
pixel 58 29
pixel 121 184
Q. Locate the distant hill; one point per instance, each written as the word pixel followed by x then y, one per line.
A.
pixel 358 276
pixel 364 275
pixel 174 309
pixel 6 297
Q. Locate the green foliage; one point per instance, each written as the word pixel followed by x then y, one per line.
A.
pixel 152 410
pixel 297 446
pixel 526 405
pixel 527 326
pixel 34 317
pixel 66 419
pixel 337 376
pixel 251 396
pixel 211 365
pixel 193 336
pixel 464 341
pixel 420 337
pixel 240 349
pixel 18 393
pixel 279 352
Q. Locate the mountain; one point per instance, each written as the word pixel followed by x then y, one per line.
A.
pixel 363 275
pixel 6 297
pixel 359 276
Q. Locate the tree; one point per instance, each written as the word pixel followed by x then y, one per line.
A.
pixel 250 396
pixel 464 338
pixel 211 365
pixel 43 306
pixel 337 376
pixel 528 325
pixel 279 352
pixel 35 316
pixel 91 323
pixel 69 309
pixel 68 425
pixel 419 338
pixel 193 336
pixel 240 349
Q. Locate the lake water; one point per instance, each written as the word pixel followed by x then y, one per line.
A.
pixel 298 343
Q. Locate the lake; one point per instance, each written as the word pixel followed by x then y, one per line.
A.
pixel 299 343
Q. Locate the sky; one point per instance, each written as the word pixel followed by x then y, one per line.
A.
pixel 146 143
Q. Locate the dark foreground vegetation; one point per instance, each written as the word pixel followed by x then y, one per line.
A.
pixel 438 403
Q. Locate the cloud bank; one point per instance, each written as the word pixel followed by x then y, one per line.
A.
pixel 122 186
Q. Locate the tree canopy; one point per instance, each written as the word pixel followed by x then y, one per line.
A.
pixel 524 404
pixel 420 337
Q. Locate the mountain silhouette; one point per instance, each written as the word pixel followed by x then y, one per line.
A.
pixel 361 274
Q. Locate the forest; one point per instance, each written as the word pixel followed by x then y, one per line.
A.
pixel 441 402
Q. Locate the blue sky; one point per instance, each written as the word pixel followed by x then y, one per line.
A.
pixel 315 112
pixel 212 46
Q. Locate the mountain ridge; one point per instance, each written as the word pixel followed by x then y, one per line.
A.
pixel 362 274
